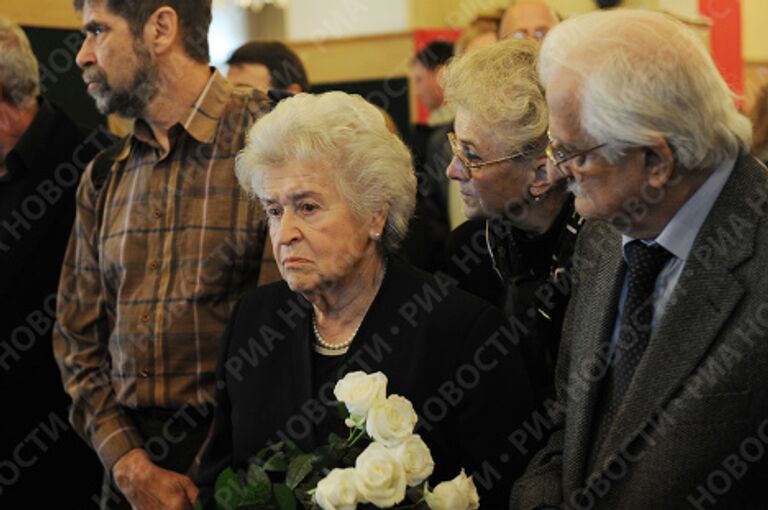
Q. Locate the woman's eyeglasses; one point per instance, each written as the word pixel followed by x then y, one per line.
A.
pixel 470 165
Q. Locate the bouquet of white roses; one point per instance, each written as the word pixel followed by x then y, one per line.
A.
pixel 392 468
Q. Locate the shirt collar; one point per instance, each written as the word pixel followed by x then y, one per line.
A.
pixel 202 117
pixel 678 235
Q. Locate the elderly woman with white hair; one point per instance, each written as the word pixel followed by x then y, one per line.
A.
pixel 522 230
pixel 339 190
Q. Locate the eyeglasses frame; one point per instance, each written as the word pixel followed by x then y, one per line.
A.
pixel 550 152
pixel 469 165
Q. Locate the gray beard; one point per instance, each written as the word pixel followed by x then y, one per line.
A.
pixel 132 101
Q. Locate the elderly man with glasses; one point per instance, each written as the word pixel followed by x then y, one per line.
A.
pixel 661 377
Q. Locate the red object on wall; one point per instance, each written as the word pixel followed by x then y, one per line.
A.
pixel 725 40
pixel 422 37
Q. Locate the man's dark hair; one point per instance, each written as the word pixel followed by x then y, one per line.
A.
pixel 285 67
pixel 434 54
pixel 194 19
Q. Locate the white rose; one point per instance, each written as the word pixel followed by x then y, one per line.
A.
pixel 457 494
pixel 379 477
pixel 337 491
pixel 359 391
pixel 392 420
pixel 413 454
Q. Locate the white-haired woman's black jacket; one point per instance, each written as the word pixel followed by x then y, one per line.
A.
pixel 453 355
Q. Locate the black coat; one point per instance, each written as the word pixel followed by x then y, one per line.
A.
pixel 528 277
pixel 450 353
pixel 37 209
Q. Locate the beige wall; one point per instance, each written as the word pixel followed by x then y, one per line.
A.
pixel 442 13
pixel 359 58
pixel 449 13
pixel 432 13
pixel 387 55
pixel 754 19
pixel 41 13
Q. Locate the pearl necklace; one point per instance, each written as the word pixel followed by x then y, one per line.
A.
pixel 343 346
pixel 331 347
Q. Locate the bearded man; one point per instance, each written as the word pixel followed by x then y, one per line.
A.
pixel 164 243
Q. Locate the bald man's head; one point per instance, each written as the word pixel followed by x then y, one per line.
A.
pixel 527 18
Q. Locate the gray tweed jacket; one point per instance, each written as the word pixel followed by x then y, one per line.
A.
pixel 692 431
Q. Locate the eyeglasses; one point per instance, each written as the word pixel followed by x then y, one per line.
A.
pixel 558 157
pixel 473 165
pixel 537 35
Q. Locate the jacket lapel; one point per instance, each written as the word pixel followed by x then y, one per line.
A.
pixel 301 363
pixel 595 317
pixel 704 298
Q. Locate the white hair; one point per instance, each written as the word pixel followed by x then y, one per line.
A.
pixel 348 136
pixel 19 73
pixel 644 75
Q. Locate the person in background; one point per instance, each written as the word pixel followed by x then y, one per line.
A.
pixel 520 227
pixel 164 244
pixel 661 377
pixel 760 122
pixel 266 65
pixel 43 154
pixel 528 19
pixel 427 66
pixel 339 191
pixel 479 33
pixel 275 69
pixel 425 244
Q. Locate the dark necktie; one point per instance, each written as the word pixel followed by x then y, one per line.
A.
pixel 644 263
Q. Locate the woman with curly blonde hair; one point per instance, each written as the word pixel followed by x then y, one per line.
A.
pixel 527 227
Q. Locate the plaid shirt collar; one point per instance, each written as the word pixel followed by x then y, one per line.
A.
pixel 200 120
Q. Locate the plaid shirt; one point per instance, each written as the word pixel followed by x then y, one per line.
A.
pixel 157 259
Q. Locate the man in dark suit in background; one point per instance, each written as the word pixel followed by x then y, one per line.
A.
pixel 42 155
pixel 662 401
pixel 267 65
pixel 425 243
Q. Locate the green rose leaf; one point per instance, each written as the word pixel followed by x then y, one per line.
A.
pixel 326 457
pixel 336 442
pixel 298 470
pixel 227 490
pixel 277 462
pixel 342 411
pixel 284 497
pixel 259 486
pixel 275 447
